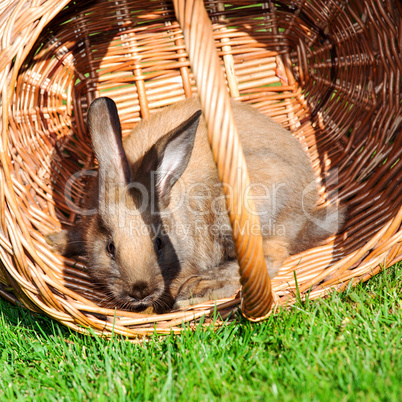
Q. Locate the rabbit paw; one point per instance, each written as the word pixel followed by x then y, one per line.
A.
pixel 58 241
pixel 198 290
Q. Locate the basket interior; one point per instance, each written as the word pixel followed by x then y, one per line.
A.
pixel 327 71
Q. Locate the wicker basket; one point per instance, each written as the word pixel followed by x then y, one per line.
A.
pixel 328 70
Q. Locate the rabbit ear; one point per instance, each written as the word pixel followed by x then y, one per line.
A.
pixel 170 155
pixel 105 131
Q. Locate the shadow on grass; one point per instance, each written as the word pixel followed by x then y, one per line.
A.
pixel 20 318
pixel 385 285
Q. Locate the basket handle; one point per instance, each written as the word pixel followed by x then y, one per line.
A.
pixel 257 296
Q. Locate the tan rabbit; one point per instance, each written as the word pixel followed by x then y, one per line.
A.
pixel 160 235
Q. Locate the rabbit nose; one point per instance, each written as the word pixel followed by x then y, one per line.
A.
pixel 140 290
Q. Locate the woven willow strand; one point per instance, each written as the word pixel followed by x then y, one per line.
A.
pixel 335 70
pixel 228 155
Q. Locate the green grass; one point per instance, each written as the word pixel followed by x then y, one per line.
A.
pixel 345 347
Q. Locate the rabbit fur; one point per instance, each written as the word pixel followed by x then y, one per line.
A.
pixel 159 236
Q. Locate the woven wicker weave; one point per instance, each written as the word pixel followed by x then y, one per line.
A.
pixel 328 70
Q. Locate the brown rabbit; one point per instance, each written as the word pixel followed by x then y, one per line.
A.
pixel 160 235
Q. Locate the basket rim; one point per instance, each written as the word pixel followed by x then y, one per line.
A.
pixel 17 240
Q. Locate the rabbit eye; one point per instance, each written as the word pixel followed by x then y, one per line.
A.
pixel 111 249
pixel 158 244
